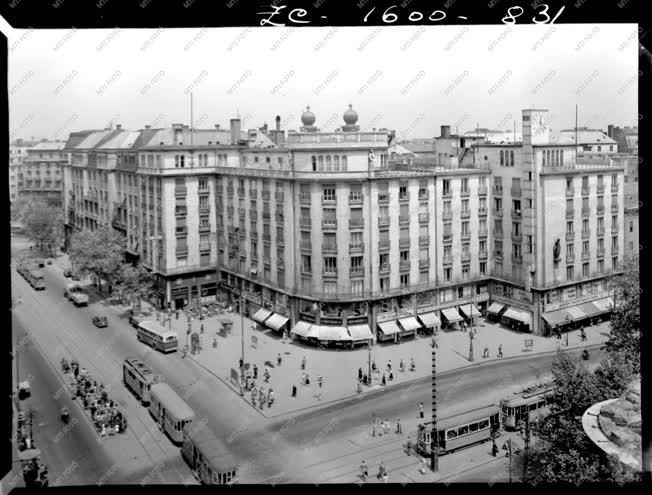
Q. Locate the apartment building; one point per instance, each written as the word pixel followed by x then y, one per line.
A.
pixel 557 220
pixel 17 154
pixel 39 176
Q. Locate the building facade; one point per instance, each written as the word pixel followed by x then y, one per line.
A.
pixel 17 154
pixel 36 171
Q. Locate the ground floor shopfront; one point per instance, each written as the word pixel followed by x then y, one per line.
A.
pixel 191 289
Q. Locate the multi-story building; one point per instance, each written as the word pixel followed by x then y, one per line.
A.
pixel 558 222
pixel 17 154
pixel 590 142
pixel 40 175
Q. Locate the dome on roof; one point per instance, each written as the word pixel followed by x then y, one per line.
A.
pixel 350 116
pixel 308 118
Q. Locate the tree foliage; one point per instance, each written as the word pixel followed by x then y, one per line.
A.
pixel 135 283
pixel 98 253
pixel 43 223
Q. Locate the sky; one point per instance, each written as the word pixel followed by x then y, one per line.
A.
pixel 412 79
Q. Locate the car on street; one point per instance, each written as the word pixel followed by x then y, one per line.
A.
pixel 100 321
pixel 67 273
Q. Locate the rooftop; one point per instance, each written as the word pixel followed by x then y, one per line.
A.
pixel 584 136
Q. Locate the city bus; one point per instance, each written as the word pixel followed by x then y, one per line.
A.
pixel 209 460
pixel 138 377
pixel 530 403
pixel 461 430
pixel 160 338
pixel 170 411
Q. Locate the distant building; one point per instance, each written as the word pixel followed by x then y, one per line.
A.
pixel 626 137
pixel 590 142
pixel 40 175
pixel 17 154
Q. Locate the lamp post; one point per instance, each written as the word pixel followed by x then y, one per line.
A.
pixel 508 447
pixel 434 445
pixel 240 309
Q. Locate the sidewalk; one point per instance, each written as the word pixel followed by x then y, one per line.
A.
pixel 339 367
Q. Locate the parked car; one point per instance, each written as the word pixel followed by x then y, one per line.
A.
pixel 67 273
pixel 100 321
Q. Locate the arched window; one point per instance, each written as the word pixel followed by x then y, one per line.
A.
pixel 328 163
pixel 344 165
pixel 502 158
pixel 511 158
pixel 314 163
pixel 321 163
pixel 336 163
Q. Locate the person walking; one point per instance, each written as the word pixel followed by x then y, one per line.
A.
pixel 494 448
pixel 253 395
pixel 278 359
pixel 303 378
pixel 384 381
pixel 389 365
pixel 381 470
pixel 408 446
pixel 294 391
pixel 399 429
pixel 320 380
pixel 270 397
pixel 583 334
pixel 364 470
pixel 486 352
pixel 401 365
pixel 303 363
pixel 268 374
pixel 359 373
pixel 500 351
pixel 255 372
pixel 421 410
pixel 391 376
pixel 413 366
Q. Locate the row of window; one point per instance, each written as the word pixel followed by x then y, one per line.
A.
pixel 328 163
pixel 506 158
pixel 570 269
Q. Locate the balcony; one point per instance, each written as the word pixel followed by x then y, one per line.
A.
pixel 516 214
pixel 253 193
pixel 404 265
pixel 355 247
pixel 498 212
pixel 586 256
pixel 424 194
pixel 465 213
pixel 229 190
pixel 614 229
pixel 586 233
pixel 404 242
pixel 482 191
pixel 424 240
pixel 498 255
pixel 404 198
pixel 203 188
pixel 280 264
pixel 600 208
pixel 383 268
pixel 466 256
pixel 424 217
pixel 570 192
pixel 357 223
pixel 517 259
pixel 383 198
pixel 448 259
pixel 279 217
pixel 329 224
pixel 265 195
pixel 306 245
pixel 180 191
pixel 279 196
pixel 482 233
pixel 267 260
pixel 203 247
pixel 403 219
pixel 383 244
pixel 516 237
pixel 497 233
pixel 614 188
pixel 241 191
pixel 466 235
pixel 180 212
pixel 424 263
pixel 614 250
pixel 614 208
pixel 448 237
pixel 586 212
pixel 182 251
pixel 204 228
pixel 447 193
pixel 600 252
pixel 357 271
pixel 383 221
pixel 447 215
pixel 585 191
pixel 483 255
pixel 330 200
pixel 498 190
pixel 482 212
pixel 267 237
pixel 570 213
pixel 329 248
pixel 600 188
pixel 600 231
pixel 355 198
pixel 516 192
pixel 570 236
pixel 304 222
pixel 570 257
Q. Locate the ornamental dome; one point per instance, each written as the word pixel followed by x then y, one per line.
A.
pixel 308 118
pixel 350 116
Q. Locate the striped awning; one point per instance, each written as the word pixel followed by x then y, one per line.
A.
pixel 575 313
pixel 305 330
pixel 519 315
pixel 590 309
pixel 606 304
pixel 276 321
pixel 495 308
pixel 334 333
pixel 559 317
pixel 469 310
pixel 409 324
pixel 429 320
pixel 261 315
pixel 451 315
pixel 360 332
pixel 389 327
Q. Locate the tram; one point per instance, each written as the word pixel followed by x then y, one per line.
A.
pixel 170 411
pixel 459 431
pixel 139 378
pixel 209 460
pixel 529 403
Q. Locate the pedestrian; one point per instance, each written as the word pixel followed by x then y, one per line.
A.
pixel 494 448
pixel 294 390
pixel 500 351
pixel 391 376
pixel 486 352
pixel 413 367
pixel 270 397
pixel 421 410
pixel 320 380
pixel 408 446
pixel 267 375
pixel 389 365
pixel 253 395
pixel 307 379
pixel 365 379
pixel 303 378
pixel 278 359
pixel 303 363
pixel 381 470
pixel 359 373
pixel 201 328
pixel 364 470
pixel 583 334
pixel 373 366
pixel 76 372
pixel 386 426
pixel 401 366
pixel 384 381
pixel 399 429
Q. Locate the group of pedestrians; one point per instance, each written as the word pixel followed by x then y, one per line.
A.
pixel 305 379
pixel 382 471
pixel 485 354
pixel 388 375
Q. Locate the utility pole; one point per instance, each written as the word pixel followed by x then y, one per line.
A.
pixel 508 447
pixel 527 445
pixel 434 444
pixel 369 363
pixel 240 308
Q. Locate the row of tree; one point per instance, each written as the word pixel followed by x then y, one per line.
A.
pixel 562 452
pixel 42 223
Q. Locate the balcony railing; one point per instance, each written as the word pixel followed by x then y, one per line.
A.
pixel 483 255
pixel 424 263
pixel 241 191
pixel 253 193
pixel 600 208
pixel 516 214
pixel 586 255
pixel 383 268
pixel 331 223
pixel 585 191
pixel 265 195
pixel 482 233
pixel 447 193
pixel 516 192
pixel 383 221
pixel 358 270
pixel 498 190
pixel 482 212
pixel 586 233
pixel 229 190
pixel 614 228
pixel 570 213
pixel 329 200
pixel 516 237
pixel 586 212
pixel 570 236
pixel 423 193
pixel 614 208
pixel 306 245
pixel 498 212
pixel 447 215
pixel 600 231
pixel 466 235
pixel 600 252
pixel 466 256
pixel 329 248
pixel 570 192
pixel 358 246
pixel 517 259
pixel 404 198
pixel 403 219
pixel 600 188
pixel 304 222
pixel 614 188
pixel 447 259
pixel 180 212
pixel 482 191
pixel 204 246
pixel 448 236
pixel 497 233
pixel 404 265
pixel 424 217
pixel 180 191
pixel 383 244
pixel 614 249
pixel 267 237
pixel 383 197
pixel 465 192
pixel 355 198
pixel 424 239
pixel 465 213
pixel 404 242
pixel 570 257
pixel 356 223
pixel 279 196
pixel 203 188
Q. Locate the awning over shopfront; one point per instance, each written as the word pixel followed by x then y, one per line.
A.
pixel 409 324
pixel 429 320
pixel 521 315
pixel 276 321
pixel 389 327
pixel 261 315
pixel 470 310
pixel 451 315
pixel 305 330
pixel 554 318
pixel 495 308
pixel 360 332
pixel 590 309
pixel 336 334
pixel 606 304
pixel 575 313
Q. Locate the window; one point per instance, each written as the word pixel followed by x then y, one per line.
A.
pixel 585 248
pixel 344 165
pixel 585 269
pixel 502 161
pixel 465 185
pixel 614 263
pixel 404 255
pixel 329 193
pixel 383 261
pixel 498 227
pixel 330 264
pixel 330 241
pixel 320 160
pixel 465 206
pixel 569 272
pixel 314 163
pixel 446 186
pixel 447 274
pixel 356 264
pixel 306 265
pixel 465 229
pixel 498 248
pixel 600 266
pixel 516 206
pixel 336 163
pixel 614 243
pixel 498 204
pixel 405 280
pixel 511 157
pixel 328 163
pixel 465 272
pixel 516 228
pixel 585 225
pixel 483 268
pixel 357 286
pixel 402 192
pixel 631 226
pixel 384 284
pixel 516 251
pixel 447 208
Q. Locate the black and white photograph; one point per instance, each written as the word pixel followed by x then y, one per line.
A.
pixel 283 253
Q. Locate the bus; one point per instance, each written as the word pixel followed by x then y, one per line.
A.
pixel 154 334
pixel 207 457
pixel 138 377
pixel 170 411
pixel 527 404
pixel 461 430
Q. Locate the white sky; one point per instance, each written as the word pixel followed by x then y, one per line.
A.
pixel 409 78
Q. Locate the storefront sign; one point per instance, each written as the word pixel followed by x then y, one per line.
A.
pixel 252 297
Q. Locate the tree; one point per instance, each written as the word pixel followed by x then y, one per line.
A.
pixel 99 253
pixel 625 338
pixel 43 224
pixel 135 283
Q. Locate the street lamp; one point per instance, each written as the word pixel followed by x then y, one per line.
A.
pixel 240 308
pixel 434 445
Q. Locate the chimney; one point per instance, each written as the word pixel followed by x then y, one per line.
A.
pixel 278 122
pixel 235 131
pixel 148 127
pixel 217 127
pixel 445 131
pixel 610 130
pixel 265 129
pixel 118 127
